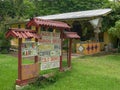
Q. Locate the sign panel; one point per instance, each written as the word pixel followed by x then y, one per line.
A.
pixel 45 40
pixel 50 62
pixel 46 47
pixel 29 49
pixel 30 71
pixel 49 50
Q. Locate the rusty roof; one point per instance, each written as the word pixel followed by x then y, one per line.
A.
pixel 71 35
pixel 47 23
pixel 22 33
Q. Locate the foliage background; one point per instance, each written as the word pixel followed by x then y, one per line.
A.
pixel 24 9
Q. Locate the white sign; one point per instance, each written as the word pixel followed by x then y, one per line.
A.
pixel 50 62
pixel 49 50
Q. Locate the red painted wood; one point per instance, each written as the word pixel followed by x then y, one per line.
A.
pixel 36 40
pixel 26 34
pixel 19 58
pixel 71 35
pixel 22 33
pixel 61 36
pixel 47 23
pixel 15 34
pixel 70 51
pixel 25 82
pixel 67 51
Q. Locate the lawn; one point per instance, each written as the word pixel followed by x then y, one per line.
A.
pixel 87 73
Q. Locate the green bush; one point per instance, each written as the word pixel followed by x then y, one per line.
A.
pixel 4 45
pixel 4 42
pixel 4 51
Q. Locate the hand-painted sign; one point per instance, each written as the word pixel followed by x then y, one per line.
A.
pixel 29 48
pixel 49 50
pixel 50 53
pixel 49 62
pixel 46 47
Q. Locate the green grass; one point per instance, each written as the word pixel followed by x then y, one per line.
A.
pixel 8 72
pixel 87 73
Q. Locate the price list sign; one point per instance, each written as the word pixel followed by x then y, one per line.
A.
pixel 49 50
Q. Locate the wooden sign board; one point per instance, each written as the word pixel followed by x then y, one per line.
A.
pixel 30 71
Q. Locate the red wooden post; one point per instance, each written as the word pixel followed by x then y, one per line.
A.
pixel 19 59
pixel 70 51
pixel 36 40
pixel 61 36
pixel 36 57
pixel 67 51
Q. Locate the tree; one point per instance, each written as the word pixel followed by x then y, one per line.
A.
pixel 110 20
pixel 17 9
pixel 6 8
pixel 46 7
pixel 115 31
pixel 5 42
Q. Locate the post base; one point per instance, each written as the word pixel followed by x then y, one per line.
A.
pixel 24 82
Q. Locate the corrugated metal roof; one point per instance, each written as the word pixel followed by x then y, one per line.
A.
pixel 71 35
pixel 48 23
pixel 22 33
pixel 79 14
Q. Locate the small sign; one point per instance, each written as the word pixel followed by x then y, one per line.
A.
pixel 50 62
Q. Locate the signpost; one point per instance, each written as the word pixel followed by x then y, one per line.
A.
pixel 48 48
